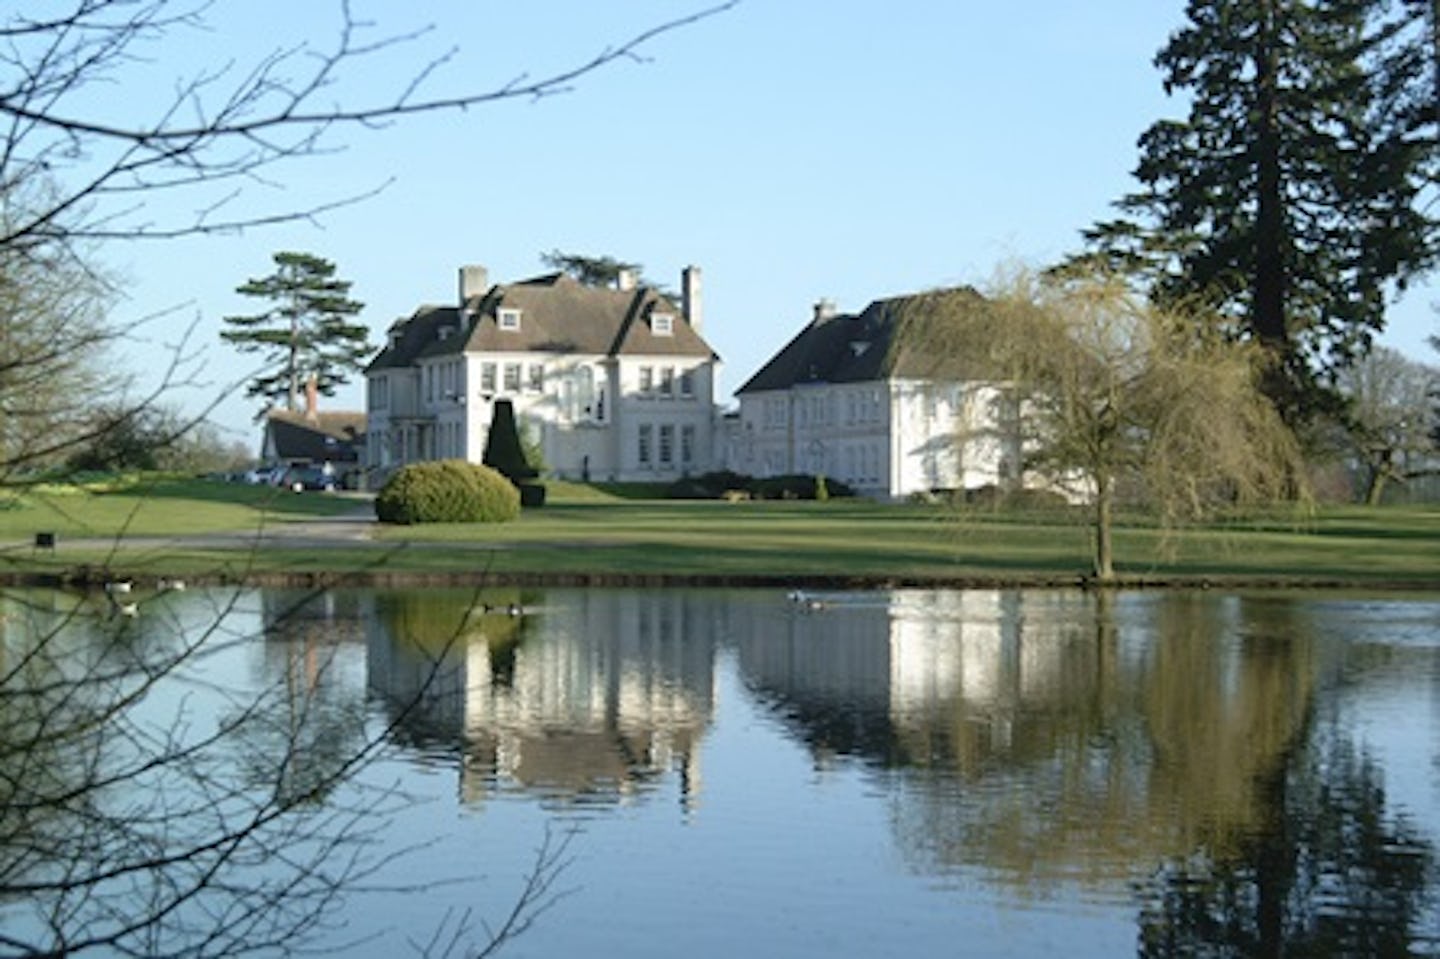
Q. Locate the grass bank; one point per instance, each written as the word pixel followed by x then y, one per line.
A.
pixel 587 534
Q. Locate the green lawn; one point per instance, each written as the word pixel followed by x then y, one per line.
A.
pixel 158 506
pixel 193 527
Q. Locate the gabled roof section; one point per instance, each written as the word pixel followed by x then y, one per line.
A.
pixel 904 337
pixel 332 436
pixel 560 315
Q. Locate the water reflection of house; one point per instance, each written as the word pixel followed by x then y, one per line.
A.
pixel 589 694
pixel 907 676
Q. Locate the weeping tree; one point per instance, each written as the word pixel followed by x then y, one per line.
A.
pixel 1122 402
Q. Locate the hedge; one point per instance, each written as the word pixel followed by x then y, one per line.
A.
pixel 447 491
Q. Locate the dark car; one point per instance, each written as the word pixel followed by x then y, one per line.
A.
pixel 301 478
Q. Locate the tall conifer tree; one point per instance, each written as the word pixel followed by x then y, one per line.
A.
pixel 308 331
pixel 1284 198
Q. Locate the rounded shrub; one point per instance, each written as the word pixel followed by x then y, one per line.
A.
pixel 447 491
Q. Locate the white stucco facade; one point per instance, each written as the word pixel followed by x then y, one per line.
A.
pixel 886 438
pixel 640 410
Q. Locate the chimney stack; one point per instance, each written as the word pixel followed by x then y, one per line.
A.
pixel 312 399
pixel 474 281
pixel 625 281
pixel 690 303
pixel 824 310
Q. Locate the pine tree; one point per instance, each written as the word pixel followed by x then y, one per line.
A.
pixel 1286 199
pixel 306 333
pixel 590 270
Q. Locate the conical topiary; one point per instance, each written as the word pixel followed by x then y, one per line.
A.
pixel 502 447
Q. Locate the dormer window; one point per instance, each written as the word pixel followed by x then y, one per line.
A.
pixel 508 318
pixel 662 324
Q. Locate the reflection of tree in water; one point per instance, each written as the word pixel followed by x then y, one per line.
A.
pixel 1149 743
pixel 1327 872
pixel 420 653
pixel 309 724
pixel 131 817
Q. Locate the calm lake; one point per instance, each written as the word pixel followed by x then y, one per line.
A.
pixel 911 773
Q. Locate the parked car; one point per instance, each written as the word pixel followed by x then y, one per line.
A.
pixel 302 478
pixel 266 475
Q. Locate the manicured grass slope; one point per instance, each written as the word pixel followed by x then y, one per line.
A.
pixel 162 506
pixel 591 532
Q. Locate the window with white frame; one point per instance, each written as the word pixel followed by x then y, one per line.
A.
pixel 687 444
pixel 667 444
pixel 512 377
pixel 508 318
pixel 647 380
pixel 379 393
pixel 667 382
pixel 487 377
pixel 645 438
pixel 537 378
pixel 662 324
pixel 687 383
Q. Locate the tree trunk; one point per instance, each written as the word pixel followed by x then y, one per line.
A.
pixel 1435 60
pixel 1377 488
pixel 1267 319
pixel 1104 509
pixel 292 398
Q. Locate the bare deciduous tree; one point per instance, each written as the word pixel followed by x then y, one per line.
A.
pixel 127 825
pixel 217 131
pixel 1389 418
pixel 77 169
pixel 137 821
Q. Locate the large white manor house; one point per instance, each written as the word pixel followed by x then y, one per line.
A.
pixel 617 383
pixel 611 383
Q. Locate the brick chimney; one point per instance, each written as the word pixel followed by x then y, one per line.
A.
pixel 690 303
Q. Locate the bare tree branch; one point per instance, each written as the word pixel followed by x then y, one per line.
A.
pixel 221 126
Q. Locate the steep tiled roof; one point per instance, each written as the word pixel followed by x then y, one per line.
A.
pixel 900 337
pixel 410 338
pixel 557 315
pixel 561 315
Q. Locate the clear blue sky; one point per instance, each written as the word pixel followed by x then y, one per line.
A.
pixel 793 149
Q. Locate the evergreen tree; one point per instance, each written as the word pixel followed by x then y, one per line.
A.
pixel 306 332
pixel 590 270
pixel 1287 198
pixel 503 452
